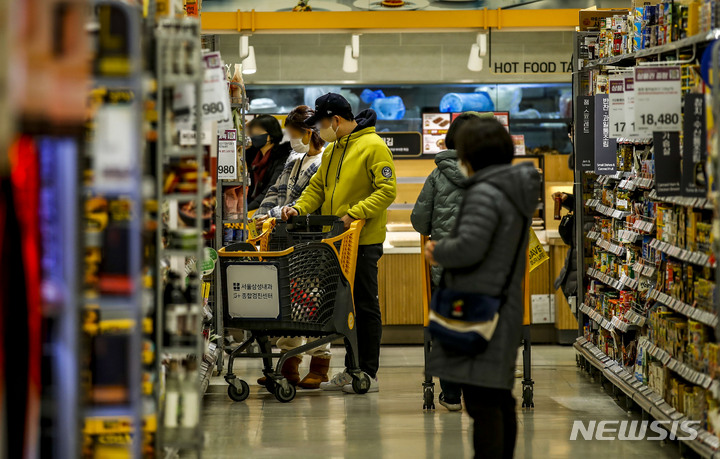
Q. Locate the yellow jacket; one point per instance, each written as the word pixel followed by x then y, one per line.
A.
pixel 356 177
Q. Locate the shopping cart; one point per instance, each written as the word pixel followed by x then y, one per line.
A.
pixel 428 384
pixel 304 288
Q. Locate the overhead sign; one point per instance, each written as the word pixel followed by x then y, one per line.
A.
pixel 605 146
pixel 694 179
pixel 658 101
pixel 585 134
pixel 403 143
pixel 667 163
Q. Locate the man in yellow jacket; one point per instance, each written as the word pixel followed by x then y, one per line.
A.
pixel 356 181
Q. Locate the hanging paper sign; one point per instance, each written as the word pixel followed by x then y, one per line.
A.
pixel 536 254
pixel 585 134
pixel 694 179
pixel 618 122
pixel 227 155
pixel 215 97
pixel 605 147
pixel 658 101
pixel 115 146
pixel 667 163
pixel 629 92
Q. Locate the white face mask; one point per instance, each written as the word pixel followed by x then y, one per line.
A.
pixel 463 169
pixel 328 134
pixel 298 146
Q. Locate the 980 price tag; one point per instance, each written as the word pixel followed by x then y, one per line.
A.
pixel 658 101
pixel 227 155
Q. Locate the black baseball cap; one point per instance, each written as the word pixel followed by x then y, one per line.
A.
pixel 329 105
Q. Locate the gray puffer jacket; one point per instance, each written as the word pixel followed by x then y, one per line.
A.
pixel 477 257
pixel 439 202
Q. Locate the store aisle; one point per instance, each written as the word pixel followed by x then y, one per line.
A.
pixel 391 424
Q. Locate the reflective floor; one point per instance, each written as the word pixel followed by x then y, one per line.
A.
pixel 391 423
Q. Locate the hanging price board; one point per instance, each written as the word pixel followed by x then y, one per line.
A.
pixel 658 101
pixel 618 123
pixel 694 178
pixel 215 97
pixel 227 155
pixel 667 163
pixel 629 93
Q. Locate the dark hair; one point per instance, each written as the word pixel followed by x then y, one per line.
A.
pixel 483 142
pixel 296 120
pixel 270 124
pixel 452 130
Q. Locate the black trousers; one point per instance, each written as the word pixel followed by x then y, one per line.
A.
pixel 367 308
pixel 494 421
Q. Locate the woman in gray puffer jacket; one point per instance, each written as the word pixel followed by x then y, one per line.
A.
pixel 434 215
pixel 499 202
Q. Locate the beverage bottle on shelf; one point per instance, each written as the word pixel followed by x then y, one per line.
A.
pixel 236 90
pixel 172 396
pixel 189 396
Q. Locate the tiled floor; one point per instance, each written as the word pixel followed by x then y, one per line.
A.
pixel 391 423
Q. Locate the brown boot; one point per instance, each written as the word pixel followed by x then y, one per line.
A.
pixel 289 370
pixel 318 373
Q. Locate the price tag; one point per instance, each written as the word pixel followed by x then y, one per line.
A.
pixel 618 123
pixel 227 155
pixel 658 102
pixel 115 148
pixel 630 129
pixel 215 97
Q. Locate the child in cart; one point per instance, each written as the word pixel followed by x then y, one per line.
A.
pixel 435 214
pixel 304 161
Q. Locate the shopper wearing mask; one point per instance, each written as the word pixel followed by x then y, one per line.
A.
pixel 299 169
pixel 434 215
pixel 266 157
pixel 477 257
pixel 356 181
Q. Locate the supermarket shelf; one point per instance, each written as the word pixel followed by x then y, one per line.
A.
pixel 120 303
pixel 179 253
pixel 181 151
pixel 180 197
pixel 705 317
pixel 697 203
pixel 109 411
pixel 593 235
pixel 624 283
pixel 646 269
pixel 180 350
pixel 704 444
pixel 696 377
pixel 605 179
pixel 628 237
pixel 632 183
pixel 697 258
pixel 616 323
pixel 627 59
pixel 605 210
pixel 610 247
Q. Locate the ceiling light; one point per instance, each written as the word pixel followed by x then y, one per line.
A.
pixel 350 64
pixel 475 62
pixel 248 64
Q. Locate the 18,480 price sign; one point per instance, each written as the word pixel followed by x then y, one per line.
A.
pixel 658 102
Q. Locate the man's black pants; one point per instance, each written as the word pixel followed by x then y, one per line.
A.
pixel 494 421
pixel 367 308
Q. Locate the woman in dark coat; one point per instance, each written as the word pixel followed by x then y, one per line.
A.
pixel 265 158
pixel 478 257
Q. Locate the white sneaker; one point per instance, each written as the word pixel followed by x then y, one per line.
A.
pixel 337 382
pixel 374 386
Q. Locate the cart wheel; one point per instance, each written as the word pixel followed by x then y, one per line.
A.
pixel 528 397
pixel 239 395
pixel 429 399
pixel 285 395
pixel 361 384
